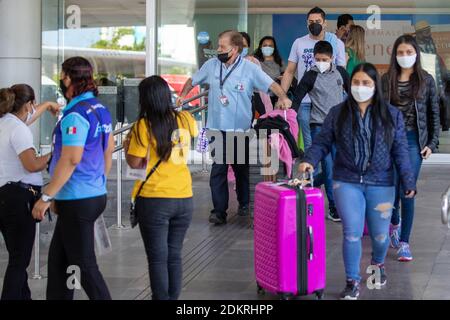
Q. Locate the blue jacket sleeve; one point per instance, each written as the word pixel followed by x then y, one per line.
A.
pixel 400 154
pixel 323 142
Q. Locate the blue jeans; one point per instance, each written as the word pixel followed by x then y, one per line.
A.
pixel 407 211
pixel 326 177
pixel 163 224
pixel 357 203
pixel 303 118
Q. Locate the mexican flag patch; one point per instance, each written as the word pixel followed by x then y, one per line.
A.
pixel 72 130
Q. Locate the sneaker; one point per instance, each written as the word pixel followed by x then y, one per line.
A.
pixel 333 215
pixel 394 236
pixel 216 219
pixel 243 211
pixel 404 253
pixel 351 291
pixel 383 276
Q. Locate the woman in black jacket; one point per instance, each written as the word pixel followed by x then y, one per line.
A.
pixel 370 139
pixel 412 90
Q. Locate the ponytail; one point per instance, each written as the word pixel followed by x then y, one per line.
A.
pixel 7 101
pixel 14 98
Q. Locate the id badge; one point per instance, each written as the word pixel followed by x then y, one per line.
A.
pixel 136 174
pixel 224 100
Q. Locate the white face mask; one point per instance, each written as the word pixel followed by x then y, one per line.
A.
pixel 30 114
pixel 407 62
pixel 362 93
pixel 323 66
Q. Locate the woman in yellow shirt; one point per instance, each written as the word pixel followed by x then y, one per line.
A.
pixel 160 142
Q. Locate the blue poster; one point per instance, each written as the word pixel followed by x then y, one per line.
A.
pixel 288 27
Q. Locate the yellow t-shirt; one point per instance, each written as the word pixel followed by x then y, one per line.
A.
pixel 172 179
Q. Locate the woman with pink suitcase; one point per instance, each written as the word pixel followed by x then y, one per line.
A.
pixel 370 140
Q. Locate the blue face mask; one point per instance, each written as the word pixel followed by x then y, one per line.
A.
pixel 244 52
pixel 267 51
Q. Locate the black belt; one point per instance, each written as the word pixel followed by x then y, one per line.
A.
pixel 29 187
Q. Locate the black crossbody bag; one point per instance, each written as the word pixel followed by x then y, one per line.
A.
pixel 133 213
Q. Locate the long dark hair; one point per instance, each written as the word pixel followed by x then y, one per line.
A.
pixel 158 111
pixel 81 75
pixel 417 79
pixel 381 116
pixel 13 99
pixel 246 36
pixel 276 54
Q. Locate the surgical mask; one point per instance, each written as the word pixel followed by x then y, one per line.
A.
pixel 362 93
pixel 223 57
pixel 407 62
pixel 323 66
pixel 244 52
pixel 267 51
pixel 315 29
pixel 63 88
pixel 30 114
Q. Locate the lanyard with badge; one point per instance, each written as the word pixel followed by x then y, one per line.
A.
pixel 223 98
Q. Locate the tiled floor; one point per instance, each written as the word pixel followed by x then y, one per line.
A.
pixel 218 261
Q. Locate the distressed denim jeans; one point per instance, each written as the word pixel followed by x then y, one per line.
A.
pixel 355 204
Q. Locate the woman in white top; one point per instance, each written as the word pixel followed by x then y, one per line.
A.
pixel 20 183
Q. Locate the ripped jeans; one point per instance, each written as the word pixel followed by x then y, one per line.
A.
pixel 356 203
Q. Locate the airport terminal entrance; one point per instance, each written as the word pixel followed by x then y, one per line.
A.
pixel 126 42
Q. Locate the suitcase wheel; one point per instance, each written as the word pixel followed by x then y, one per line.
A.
pixel 261 290
pixel 286 296
pixel 320 294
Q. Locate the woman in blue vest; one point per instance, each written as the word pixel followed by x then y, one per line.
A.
pixel 82 157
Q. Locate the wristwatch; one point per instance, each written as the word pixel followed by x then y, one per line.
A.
pixel 46 198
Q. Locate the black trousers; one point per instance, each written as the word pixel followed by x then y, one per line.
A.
pixel 72 248
pixel 18 228
pixel 163 224
pixel 223 157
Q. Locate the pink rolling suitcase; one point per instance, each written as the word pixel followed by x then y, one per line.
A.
pixel 289 240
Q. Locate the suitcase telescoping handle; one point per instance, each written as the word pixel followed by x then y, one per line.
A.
pixel 311 243
pixel 307 176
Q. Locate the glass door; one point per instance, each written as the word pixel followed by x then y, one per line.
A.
pixel 188 32
pixel 109 33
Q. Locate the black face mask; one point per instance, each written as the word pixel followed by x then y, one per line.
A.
pixel 63 88
pixel 223 57
pixel 315 29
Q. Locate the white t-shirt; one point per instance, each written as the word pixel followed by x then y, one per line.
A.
pixel 15 138
pixel 302 53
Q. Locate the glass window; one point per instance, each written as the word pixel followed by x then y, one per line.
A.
pixel 110 34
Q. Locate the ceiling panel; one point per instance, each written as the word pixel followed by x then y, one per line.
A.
pixel 132 12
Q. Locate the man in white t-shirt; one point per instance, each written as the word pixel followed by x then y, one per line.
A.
pixel 301 60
